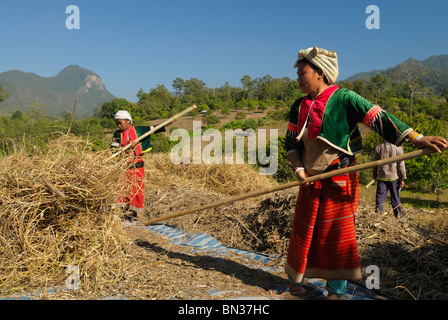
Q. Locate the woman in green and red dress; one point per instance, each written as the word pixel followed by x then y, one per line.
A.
pixel 322 136
pixel 135 177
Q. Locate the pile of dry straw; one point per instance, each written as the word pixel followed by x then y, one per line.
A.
pixel 56 212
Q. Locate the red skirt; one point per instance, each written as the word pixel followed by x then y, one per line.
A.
pixel 323 239
pixel 134 185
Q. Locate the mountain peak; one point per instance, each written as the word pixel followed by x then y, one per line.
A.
pixel 55 93
pixel 437 62
pixel 412 61
pixel 74 70
pixel 433 72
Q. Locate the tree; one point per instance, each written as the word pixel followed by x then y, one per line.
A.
pixel 240 116
pixel 262 106
pixel 263 87
pixel 194 87
pixel 445 94
pixel 109 109
pixel 156 104
pixel 178 86
pixel 17 115
pixel 37 111
pixel 224 94
pixel 212 120
pixel 292 91
pixel 412 84
pixel 360 88
pixel 411 72
pixel 3 94
pixel 379 83
pixel 248 86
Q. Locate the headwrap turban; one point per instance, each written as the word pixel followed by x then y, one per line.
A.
pixel 325 60
pixel 123 115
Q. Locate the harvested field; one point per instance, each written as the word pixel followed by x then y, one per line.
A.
pixel 43 232
pixel 411 253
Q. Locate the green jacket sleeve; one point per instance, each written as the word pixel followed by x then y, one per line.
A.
pixel 385 124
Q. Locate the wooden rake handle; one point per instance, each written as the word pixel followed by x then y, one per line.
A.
pixel 173 118
pixel 326 175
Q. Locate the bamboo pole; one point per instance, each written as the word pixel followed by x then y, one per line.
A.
pixel 175 117
pixel 370 183
pixel 73 115
pixel 360 167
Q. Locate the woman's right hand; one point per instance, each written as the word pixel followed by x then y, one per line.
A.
pixel 301 174
pixel 434 143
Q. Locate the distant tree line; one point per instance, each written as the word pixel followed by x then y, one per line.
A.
pixel 254 94
pixel 409 96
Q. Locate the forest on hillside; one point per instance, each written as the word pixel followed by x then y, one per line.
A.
pixel 408 99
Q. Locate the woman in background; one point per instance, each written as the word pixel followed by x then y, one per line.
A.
pixel 135 177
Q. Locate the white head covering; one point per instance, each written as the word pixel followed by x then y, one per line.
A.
pixel 325 60
pixel 124 115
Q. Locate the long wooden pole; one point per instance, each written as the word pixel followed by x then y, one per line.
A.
pixel 360 167
pixel 175 117
pixel 73 115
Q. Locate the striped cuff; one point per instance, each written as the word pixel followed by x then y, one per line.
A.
pixel 292 127
pixel 372 116
pixel 403 137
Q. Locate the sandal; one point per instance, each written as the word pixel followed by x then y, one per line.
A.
pixel 281 289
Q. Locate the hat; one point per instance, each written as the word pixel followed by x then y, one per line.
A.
pixel 325 60
pixel 124 115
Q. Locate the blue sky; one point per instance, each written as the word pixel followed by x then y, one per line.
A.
pixel 137 44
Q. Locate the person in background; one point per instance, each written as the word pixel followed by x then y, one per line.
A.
pixel 323 136
pixel 389 178
pixel 132 204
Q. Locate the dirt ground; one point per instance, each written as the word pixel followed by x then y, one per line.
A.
pixel 411 253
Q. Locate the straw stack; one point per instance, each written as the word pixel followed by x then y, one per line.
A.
pixel 57 211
